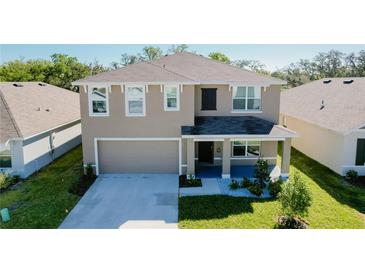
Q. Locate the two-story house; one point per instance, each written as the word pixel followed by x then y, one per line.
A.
pixel 183 113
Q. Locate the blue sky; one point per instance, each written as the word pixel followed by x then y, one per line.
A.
pixel 273 56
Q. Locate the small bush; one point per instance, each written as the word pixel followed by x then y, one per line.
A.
pixel 261 172
pixel 234 185
pixel 351 176
pixel 275 187
pixel 246 182
pixel 256 189
pixel 89 171
pixel 295 197
pixel 189 181
pixel 6 181
pixel 85 181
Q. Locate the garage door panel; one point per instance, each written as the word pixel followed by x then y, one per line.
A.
pixel 138 156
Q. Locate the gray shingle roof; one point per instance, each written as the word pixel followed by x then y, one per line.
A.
pixel 24 109
pixel 234 125
pixel 344 107
pixel 183 67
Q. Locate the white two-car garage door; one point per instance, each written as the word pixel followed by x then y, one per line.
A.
pixel 138 156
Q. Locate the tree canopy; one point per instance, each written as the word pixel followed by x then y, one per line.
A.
pixel 61 70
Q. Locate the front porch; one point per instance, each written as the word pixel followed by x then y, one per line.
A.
pixel 204 172
pixel 229 147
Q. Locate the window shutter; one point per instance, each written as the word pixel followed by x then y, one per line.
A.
pixel 360 152
pixel 209 99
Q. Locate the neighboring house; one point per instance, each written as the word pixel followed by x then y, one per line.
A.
pixel 39 122
pixel 183 113
pixel 329 116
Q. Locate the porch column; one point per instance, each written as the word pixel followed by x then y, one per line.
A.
pixel 190 157
pixel 226 159
pixel 285 157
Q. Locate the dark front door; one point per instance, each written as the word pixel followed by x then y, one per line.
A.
pixel 205 152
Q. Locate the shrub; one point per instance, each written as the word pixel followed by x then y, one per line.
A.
pixel 84 182
pixel 275 187
pixel 5 182
pixel 256 189
pixel 295 197
pixel 234 185
pixel 189 181
pixel 89 171
pixel 261 172
pixel 246 182
pixel 351 176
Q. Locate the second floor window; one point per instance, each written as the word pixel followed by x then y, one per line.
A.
pixel 246 98
pixel 135 101
pixel 209 99
pixel 98 101
pixel 171 98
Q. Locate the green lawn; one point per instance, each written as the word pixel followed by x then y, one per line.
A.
pixel 43 199
pixel 334 204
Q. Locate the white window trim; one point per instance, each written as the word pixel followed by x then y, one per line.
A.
pixel 246 110
pixel 126 106
pixel 91 112
pixel 166 108
pixel 246 149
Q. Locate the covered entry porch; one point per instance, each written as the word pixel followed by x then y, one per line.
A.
pixel 233 152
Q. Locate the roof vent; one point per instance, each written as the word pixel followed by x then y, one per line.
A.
pixel 322 105
pixel 38 109
pixel 346 82
pixel 17 85
pixel 48 109
pixel 327 81
pixel 42 84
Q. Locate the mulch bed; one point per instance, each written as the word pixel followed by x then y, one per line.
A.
pixel 184 182
pixel 294 223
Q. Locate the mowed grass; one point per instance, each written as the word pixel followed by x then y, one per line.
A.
pixel 335 205
pixel 42 201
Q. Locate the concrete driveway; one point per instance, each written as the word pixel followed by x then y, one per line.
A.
pixel 127 201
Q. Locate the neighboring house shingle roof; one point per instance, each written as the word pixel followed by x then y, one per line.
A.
pixel 183 67
pixel 343 106
pixel 24 109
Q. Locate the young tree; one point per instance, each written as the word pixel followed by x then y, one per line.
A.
pixel 218 56
pixel 295 197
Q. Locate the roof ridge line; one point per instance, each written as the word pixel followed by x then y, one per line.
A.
pixel 232 66
pixel 17 129
pixel 171 71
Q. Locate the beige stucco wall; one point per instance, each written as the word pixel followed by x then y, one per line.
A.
pixel 323 145
pixel 156 123
pixel 270 103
